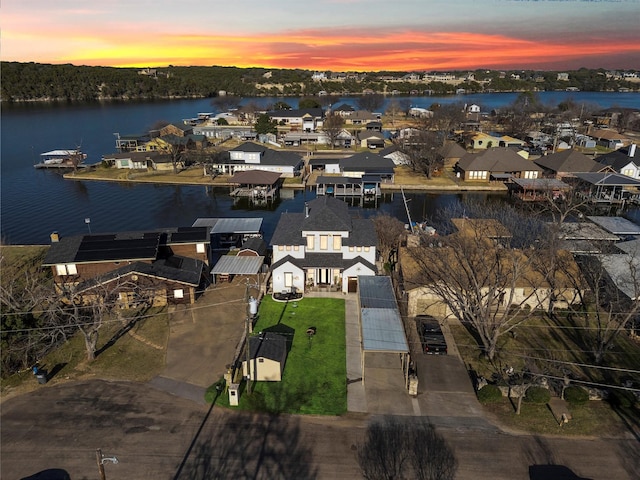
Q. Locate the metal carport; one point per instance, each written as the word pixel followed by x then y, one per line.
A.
pixel 383 332
pixel 238 265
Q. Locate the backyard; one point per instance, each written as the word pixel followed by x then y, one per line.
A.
pixel 314 377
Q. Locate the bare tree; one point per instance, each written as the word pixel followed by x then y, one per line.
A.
pixel 424 145
pixel 625 119
pixel 86 306
pixel 226 102
pixel 397 108
pixel 519 117
pixel 614 281
pixel 176 152
pixel 395 448
pixel 482 274
pixel 332 127
pixel 422 149
pixel 370 102
pixel 390 232
pixel 27 330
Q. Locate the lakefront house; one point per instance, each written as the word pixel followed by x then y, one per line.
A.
pixel 322 248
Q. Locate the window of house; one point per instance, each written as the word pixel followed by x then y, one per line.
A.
pixel 66 269
pixel 628 172
pixel 261 360
pixel 358 249
pixel 337 242
pixel 288 248
pixel 199 247
pixel 178 293
pixel 281 248
pixel 296 248
pixel 351 249
pixel 324 242
pixel 310 242
pixel 366 249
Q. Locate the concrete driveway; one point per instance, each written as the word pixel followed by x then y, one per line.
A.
pixel 204 337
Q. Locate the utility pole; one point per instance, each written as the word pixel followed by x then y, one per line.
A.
pixel 103 475
pixel 100 459
pixel 251 310
pixel 246 333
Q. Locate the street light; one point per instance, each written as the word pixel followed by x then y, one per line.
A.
pixel 88 222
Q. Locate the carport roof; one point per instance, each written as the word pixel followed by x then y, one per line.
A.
pixel 238 265
pixel 616 225
pixel 376 292
pixel 382 331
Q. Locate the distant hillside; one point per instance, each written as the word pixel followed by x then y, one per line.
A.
pixel 45 82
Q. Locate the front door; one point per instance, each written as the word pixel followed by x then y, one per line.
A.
pixel 324 276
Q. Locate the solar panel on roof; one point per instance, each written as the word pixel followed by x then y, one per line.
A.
pixel 109 249
pixel 199 235
pixel 98 238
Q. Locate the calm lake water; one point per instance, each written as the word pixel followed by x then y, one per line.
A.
pixel 35 203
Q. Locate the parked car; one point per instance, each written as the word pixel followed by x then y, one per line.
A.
pixel 431 336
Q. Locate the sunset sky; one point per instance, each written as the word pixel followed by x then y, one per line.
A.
pixel 338 35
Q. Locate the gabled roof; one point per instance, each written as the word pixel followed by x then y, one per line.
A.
pixel 344 108
pixel 370 134
pixel 368 162
pixel 268 345
pixel 327 214
pixel 175 268
pixel 313 112
pixel 619 158
pixel 608 179
pixel 255 177
pixel 452 150
pixel 569 161
pixel 323 260
pixel 500 159
pixel 249 147
pixel 255 244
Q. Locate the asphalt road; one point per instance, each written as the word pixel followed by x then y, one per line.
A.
pixel 149 431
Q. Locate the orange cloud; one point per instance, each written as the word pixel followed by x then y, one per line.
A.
pixel 335 50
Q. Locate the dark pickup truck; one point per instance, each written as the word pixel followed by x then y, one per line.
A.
pixel 431 336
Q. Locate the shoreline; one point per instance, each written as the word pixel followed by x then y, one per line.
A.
pixel 395 187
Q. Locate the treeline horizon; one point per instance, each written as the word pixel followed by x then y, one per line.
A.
pixel 39 82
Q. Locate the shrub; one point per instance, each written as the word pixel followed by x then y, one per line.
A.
pixel 576 395
pixel 537 395
pixel 489 394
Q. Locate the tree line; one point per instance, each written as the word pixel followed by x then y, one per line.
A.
pixel 66 82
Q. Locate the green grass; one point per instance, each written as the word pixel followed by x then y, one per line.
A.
pixel 314 378
pixel 595 418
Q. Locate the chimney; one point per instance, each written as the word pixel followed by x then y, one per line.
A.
pixel 55 238
pixel 632 150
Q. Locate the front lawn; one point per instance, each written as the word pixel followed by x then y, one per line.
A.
pixel 314 378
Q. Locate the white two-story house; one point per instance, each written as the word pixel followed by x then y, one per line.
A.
pixel 322 248
pixel 253 156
